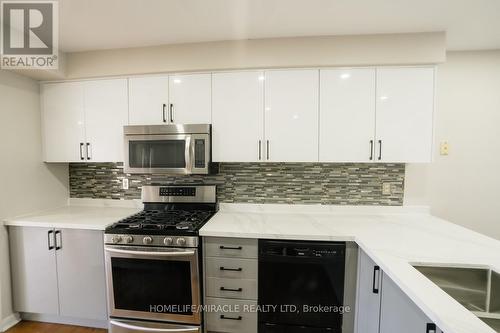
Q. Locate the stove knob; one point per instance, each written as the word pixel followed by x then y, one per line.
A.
pixel 128 239
pixel 147 240
pixel 116 239
pixel 181 241
pixel 168 241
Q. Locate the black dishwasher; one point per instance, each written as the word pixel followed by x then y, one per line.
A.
pixel 301 286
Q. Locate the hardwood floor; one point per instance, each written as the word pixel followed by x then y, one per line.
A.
pixel 37 327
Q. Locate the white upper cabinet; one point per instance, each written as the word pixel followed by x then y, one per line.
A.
pixel 291 115
pixel 190 99
pixel 347 115
pixel 105 115
pixel 63 122
pixel 148 100
pixel 237 116
pixel 405 104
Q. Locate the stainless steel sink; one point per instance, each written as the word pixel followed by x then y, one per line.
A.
pixel 477 289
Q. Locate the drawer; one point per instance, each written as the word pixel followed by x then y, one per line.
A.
pixel 231 247
pixel 231 268
pixel 237 321
pixel 232 288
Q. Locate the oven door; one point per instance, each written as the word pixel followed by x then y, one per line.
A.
pixel 172 154
pixel 153 283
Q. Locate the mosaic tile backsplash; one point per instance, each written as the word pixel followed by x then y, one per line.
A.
pixel 292 183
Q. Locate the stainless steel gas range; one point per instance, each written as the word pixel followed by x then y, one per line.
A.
pixel 153 261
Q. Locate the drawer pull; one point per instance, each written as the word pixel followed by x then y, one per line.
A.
pixel 231 318
pixel 239 290
pixel 231 269
pixel 222 247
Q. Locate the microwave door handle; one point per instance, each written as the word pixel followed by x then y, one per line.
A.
pixel 148 329
pixel 153 254
pixel 189 153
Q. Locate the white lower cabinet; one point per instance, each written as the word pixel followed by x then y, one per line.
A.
pixel 58 272
pixel 382 307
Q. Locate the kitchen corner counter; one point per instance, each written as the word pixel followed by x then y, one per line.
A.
pixel 89 214
pixel 394 237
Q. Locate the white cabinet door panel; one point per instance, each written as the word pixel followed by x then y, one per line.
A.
pixel 105 116
pixel 63 121
pixel 291 115
pixel 81 275
pixel 347 115
pixel 237 116
pixel 398 313
pixel 34 273
pixel 369 291
pixel 405 104
pixel 148 100
pixel 190 99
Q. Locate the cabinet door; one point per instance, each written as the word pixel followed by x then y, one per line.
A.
pixel 347 115
pixel 63 122
pixel 369 291
pixel 105 116
pixel 405 104
pixel 237 116
pixel 148 100
pixel 190 99
pixel 34 273
pixel 81 275
pixel 398 313
pixel 291 115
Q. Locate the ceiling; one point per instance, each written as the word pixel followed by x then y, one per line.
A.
pixel 107 24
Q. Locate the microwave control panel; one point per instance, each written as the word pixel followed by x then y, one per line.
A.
pixel 177 191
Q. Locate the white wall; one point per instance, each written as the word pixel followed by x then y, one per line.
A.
pixel 26 184
pixel 464 187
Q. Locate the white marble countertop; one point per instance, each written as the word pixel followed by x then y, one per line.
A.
pixel 87 214
pixel 394 237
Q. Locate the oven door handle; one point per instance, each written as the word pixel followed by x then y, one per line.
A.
pixel 149 329
pixel 153 254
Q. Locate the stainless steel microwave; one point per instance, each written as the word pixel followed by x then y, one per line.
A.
pixel 168 149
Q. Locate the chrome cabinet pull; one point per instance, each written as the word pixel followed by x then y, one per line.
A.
pixel 89 151
pixel 50 239
pixel 164 112
pixel 151 254
pixel 267 143
pixel 222 247
pixel 130 327
pixel 239 290
pixel 81 151
pixel 58 243
pixel 376 278
pixel 380 150
pixel 260 150
pixel 171 112
pixel 231 318
pixel 371 150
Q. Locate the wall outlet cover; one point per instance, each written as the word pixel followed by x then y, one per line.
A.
pixel 386 189
pixel 444 148
pixel 125 184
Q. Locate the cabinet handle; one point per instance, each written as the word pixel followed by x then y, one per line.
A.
pixel 58 243
pixel 50 239
pixel 231 269
pixel 222 247
pixel 239 290
pixel 81 151
pixel 260 150
pixel 231 318
pixel 267 143
pixel 431 328
pixel 171 112
pixel 164 112
pixel 89 151
pixel 379 150
pixel 376 278
pixel 371 150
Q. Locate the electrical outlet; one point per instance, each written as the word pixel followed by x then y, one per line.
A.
pixel 444 148
pixel 125 184
pixel 386 189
